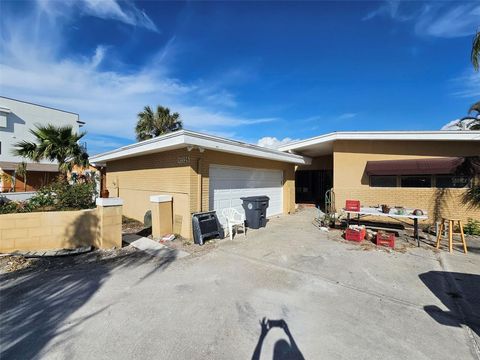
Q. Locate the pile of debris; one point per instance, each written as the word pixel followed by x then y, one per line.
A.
pixel 11 263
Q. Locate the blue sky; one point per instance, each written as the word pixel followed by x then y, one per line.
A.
pixel 246 70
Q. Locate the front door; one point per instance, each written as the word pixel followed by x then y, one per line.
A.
pixel 311 186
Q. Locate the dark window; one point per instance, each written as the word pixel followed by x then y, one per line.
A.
pixel 451 181
pixel 383 181
pixel 419 181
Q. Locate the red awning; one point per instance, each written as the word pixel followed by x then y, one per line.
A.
pixel 431 166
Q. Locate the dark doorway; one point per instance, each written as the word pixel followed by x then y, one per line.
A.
pixel 311 186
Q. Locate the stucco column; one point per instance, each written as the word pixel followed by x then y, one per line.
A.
pixel 109 223
pixel 162 219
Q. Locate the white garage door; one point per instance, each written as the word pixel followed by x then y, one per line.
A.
pixel 229 184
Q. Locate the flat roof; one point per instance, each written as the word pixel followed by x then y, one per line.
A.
pixel 186 139
pixel 46 107
pixel 323 144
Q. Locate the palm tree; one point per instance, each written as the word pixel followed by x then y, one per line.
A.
pixel 152 124
pixel 60 144
pixel 471 169
pixel 21 171
pixel 472 195
pixel 475 124
pixel 475 56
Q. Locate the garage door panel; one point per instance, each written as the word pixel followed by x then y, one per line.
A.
pixel 235 184
pixel 244 174
pixel 229 184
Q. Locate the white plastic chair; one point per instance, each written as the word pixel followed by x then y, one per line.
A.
pixel 234 218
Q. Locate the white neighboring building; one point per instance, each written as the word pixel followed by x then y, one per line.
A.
pixel 16 119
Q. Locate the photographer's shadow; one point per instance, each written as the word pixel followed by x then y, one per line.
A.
pixel 282 350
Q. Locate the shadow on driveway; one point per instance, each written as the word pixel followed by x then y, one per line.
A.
pixel 460 293
pixel 282 350
pixel 36 302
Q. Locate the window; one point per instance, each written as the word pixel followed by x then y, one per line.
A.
pixel 383 181
pixel 418 181
pixel 451 181
pixel 3 119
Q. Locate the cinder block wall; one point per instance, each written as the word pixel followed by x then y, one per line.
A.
pixel 100 227
pixel 184 175
pixel 136 179
pixel 351 181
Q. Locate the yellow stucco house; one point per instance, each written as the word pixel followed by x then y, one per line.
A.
pixel 203 172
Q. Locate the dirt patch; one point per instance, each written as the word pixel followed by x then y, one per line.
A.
pixel 131 226
pixel 188 246
pixel 20 264
pixel 11 263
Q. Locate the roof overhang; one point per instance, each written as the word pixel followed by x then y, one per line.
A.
pixel 190 139
pixel 12 166
pixel 323 144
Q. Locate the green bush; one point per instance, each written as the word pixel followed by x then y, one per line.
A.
pixel 472 227
pixel 9 207
pixel 64 196
pixel 57 196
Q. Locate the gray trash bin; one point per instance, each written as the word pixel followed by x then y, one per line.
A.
pixel 255 211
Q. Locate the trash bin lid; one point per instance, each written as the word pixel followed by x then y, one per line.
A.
pixel 255 198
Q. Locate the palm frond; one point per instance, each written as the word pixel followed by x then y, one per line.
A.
pixel 475 107
pixel 26 149
pixel 475 55
pixel 152 124
pixel 54 143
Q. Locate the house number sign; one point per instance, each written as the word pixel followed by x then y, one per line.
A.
pixel 183 159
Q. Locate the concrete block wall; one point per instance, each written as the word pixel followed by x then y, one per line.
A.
pixel 351 181
pixel 109 233
pixel 437 202
pixel 135 180
pixel 184 175
pixel 100 227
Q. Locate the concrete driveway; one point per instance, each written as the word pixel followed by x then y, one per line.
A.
pixel 337 301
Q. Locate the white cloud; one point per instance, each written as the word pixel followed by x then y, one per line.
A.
pixel 457 21
pixel 435 18
pixel 347 116
pixel 468 85
pixel 273 142
pixel 127 12
pixel 389 8
pixel 33 68
pixel 97 144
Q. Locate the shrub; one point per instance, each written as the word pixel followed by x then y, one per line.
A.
pixel 472 227
pixel 61 195
pixel 9 207
pixel 57 196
